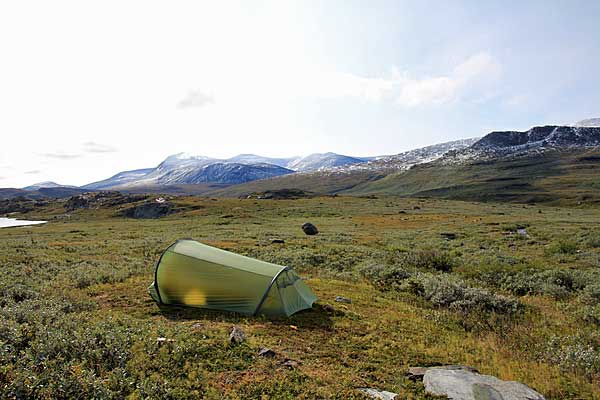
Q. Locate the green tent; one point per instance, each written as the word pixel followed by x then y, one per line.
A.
pixel 193 274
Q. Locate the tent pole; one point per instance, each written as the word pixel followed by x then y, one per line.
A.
pixel 260 303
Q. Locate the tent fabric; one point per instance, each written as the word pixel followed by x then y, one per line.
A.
pixel 194 274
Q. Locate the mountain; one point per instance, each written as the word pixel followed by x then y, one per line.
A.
pixel 407 159
pixel 122 178
pixel 254 159
pixel 589 123
pixel 342 178
pixel 543 164
pixel 318 161
pixel 58 192
pixel 551 164
pixel 46 184
pixel 228 173
pixel 186 169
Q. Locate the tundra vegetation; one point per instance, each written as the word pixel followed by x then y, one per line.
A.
pixel 512 290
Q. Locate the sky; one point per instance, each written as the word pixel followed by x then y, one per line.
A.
pixel 88 89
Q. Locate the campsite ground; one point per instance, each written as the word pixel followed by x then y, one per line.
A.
pixel 431 282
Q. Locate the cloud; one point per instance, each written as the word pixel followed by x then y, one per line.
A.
pixel 60 155
pixel 196 98
pixel 93 147
pixel 33 172
pixel 469 79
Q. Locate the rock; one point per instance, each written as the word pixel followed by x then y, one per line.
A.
pixel 329 308
pixel 341 299
pixel 266 352
pixel 448 235
pixel 522 232
pixel 277 241
pixel 416 208
pixel 148 210
pixel 310 229
pixel 417 373
pixel 378 394
pixel 237 335
pixel 291 364
pixel 460 384
pixel 198 326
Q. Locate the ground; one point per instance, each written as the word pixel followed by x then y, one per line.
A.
pixel 76 319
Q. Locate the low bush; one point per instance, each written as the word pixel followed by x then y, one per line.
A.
pixel 563 246
pixel 384 277
pixel 428 259
pixel 444 291
pixel 573 354
pixel 557 283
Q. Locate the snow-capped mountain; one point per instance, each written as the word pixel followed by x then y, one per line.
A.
pixel 46 185
pixel 319 161
pixel 122 178
pixel 589 123
pixel 536 140
pixel 255 159
pixel 185 168
pixel 407 159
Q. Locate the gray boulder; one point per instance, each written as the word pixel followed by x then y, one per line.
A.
pixel 309 229
pixel 461 384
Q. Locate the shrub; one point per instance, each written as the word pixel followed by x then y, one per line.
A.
pixel 572 353
pixel 443 291
pixel 429 259
pixel 558 283
pixel 563 246
pixel 384 277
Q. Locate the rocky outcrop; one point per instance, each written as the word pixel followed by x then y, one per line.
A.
pixel 96 200
pixel 148 210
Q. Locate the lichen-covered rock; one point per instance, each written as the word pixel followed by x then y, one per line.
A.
pixel 460 384
pixel 237 335
pixel 379 394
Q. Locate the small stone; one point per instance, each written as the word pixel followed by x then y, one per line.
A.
pixel 163 340
pixel 237 335
pixel 198 326
pixel 309 229
pixel 291 364
pixel 266 352
pixel 341 299
pixel 378 394
pixel 328 308
pixel 277 241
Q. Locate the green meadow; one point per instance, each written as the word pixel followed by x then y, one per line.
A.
pixel 510 289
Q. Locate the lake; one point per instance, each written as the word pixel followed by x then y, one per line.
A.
pixel 9 222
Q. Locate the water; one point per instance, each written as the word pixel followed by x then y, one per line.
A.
pixel 9 222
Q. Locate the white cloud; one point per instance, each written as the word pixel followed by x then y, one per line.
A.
pixel 93 147
pixel 469 78
pixel 196 98
pixel 59 155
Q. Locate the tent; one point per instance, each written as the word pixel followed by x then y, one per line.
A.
pixel 193 274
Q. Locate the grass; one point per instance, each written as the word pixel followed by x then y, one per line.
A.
pixel 76 321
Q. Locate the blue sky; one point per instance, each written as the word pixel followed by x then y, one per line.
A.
pixel 90 89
